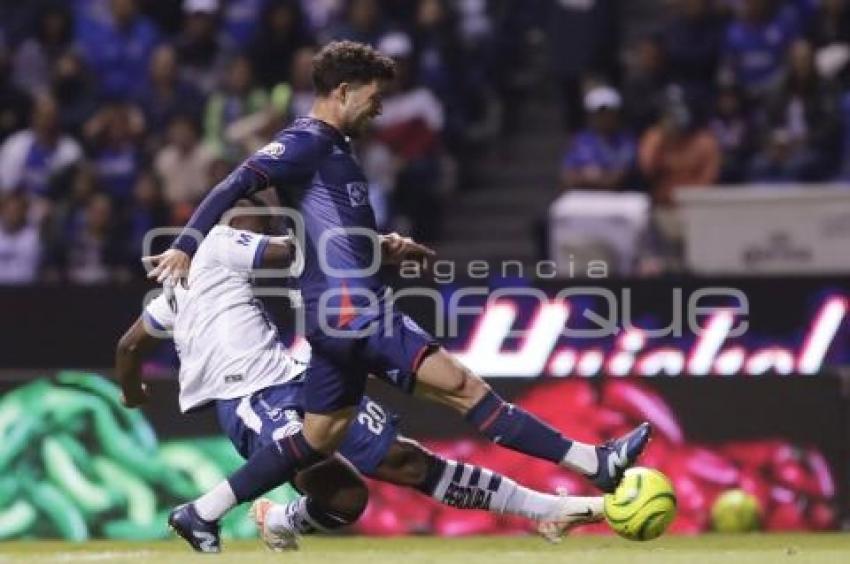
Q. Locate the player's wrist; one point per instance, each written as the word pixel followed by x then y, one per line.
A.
pixel 185 244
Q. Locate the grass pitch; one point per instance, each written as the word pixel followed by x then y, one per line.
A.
pixel 746 549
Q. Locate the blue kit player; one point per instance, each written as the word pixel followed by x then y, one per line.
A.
pixel 350 331
pixel 231 359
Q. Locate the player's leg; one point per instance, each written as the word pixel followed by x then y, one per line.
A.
pixel 372 444
pixel 273 458
pixel 468 486
pixel 365 445
pixel 331 396
pixel 412 360
pixel 442 378
pixel 334 496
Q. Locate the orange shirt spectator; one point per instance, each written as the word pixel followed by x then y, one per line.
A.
pixel 672 155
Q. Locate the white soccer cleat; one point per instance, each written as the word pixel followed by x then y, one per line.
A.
pixel 278 539
pixel 572 512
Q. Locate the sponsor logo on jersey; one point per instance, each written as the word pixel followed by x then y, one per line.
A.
pixel 233 378
pixel 274 149
pixel 358 193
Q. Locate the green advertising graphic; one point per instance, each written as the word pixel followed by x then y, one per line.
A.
pixel 75 464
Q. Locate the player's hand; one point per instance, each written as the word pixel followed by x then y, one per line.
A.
pixel 170 267
pixel 134 396
pixel 396 248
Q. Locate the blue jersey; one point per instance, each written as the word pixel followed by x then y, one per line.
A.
pixel 313 170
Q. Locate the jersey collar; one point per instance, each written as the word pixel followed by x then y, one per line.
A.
pixel 328 130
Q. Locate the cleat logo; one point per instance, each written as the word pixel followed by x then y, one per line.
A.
pixel 586 514
pixel 618 460
pixel 207 541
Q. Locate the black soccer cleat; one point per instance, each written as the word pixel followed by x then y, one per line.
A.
pixel 202 536
pixel 616 456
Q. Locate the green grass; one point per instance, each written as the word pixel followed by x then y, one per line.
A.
pixel 747 549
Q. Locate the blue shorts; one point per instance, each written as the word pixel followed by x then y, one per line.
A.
pixel 339 366
pixel 268 415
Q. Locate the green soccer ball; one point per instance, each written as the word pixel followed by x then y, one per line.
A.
pixel 642 506
pixel 735 511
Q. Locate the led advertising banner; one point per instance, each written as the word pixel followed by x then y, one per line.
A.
pixel 740 379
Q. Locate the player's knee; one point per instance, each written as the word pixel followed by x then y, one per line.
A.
pixel 358 499
pixel 469 388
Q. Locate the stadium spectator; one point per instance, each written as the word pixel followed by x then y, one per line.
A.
pixel 14 103
pixel 806 107
pixel 118 49
pixel 147 212
pixel 733 129
pixel 440 60
pixel 20 242
pixel 68 214
pixel 183 164
pixel 363 22
pixel 166 93
pixel 410 126
pixel 692 42
pixel 602 155
pixel 645 83
pixel 202 48
pixel 302 82
pixel 781 160
pixel 75 92
pixel 94 252
pixel 844 144
pixel 37 55
pixel 240 109
pixel 755 45
pixel 113 134
pixel 241 19
pixel 281 34
pixel 830 24
pixel 679 151
pixel 30 158
pixel 584 39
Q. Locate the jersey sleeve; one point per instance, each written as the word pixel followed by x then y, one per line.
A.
pixel 159 314
pixel 291 159
pixel 237 249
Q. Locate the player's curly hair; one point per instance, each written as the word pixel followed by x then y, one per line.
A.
pixel 349 61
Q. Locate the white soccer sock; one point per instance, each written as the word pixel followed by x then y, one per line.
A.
pixel 215 503
pixel 472 487
pixel 581 458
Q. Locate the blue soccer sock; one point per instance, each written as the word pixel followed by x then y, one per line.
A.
pixel 271 466
pixel 516 429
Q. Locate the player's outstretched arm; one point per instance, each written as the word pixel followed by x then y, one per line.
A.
pixel 129 353
pixel 173 265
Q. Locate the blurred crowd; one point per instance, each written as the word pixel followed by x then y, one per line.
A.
pixel 117 116
pixel 717 92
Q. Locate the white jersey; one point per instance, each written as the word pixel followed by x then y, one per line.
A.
pixel 228 347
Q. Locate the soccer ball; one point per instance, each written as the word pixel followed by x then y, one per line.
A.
pixel 735 511
pixel 642 506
